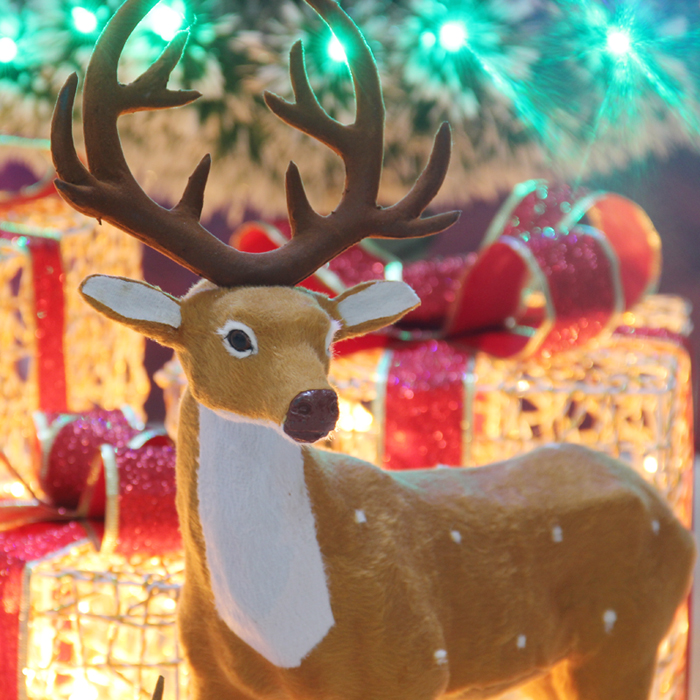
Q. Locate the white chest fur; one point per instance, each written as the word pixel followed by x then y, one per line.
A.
pixel 266 568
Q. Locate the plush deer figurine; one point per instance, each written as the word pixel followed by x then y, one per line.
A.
pixel 315 575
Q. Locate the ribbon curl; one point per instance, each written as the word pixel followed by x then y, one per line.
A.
pixel 103 470
pixel 556 269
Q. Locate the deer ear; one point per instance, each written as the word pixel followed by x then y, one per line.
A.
pixel 372 305
pixel 138 305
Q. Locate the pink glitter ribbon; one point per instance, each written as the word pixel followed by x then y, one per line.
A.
pixel 106 482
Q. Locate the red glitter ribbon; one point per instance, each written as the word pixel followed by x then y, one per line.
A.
pixel 106 482
pixel 555 270
pixel 44 250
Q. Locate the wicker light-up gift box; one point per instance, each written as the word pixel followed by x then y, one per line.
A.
pixel 90 576
pixel 58 354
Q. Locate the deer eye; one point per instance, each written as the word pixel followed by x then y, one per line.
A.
pixel 239 340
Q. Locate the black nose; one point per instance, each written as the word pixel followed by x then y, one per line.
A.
pixel 311 415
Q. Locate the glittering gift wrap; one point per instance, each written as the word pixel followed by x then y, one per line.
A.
pixel 59 354
pixel 89 577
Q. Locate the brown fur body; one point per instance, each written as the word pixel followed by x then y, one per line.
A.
pixel 402 588
pixel 561 568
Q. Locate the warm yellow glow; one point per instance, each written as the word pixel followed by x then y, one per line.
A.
pixel 169 604
pixel 94 345
pixel 101 627
pixel 354 417
pixel 16 489
pixel 651 464
pixel 83 690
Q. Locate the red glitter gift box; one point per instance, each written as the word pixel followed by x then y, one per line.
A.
pixel 90 573
pixel 58 354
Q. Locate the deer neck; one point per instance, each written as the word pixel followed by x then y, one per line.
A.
pixel 266 569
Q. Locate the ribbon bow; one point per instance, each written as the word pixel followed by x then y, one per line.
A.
pixel 555 270
pixel 102 469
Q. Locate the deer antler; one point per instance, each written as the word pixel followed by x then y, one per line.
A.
pixel 106 189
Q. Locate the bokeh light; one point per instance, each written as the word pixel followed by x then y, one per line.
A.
pixel 8 50
pixel 336 52
pixel 453 36
pixel 165 21
pixel 427 40
pixel 619 42
pixel 84 20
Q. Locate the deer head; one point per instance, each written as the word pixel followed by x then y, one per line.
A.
pixel 237 334
pixel 260 353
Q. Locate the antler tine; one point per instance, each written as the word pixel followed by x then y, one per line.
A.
pixel 305 114
pixel 422 193
pixel 68 165
pixel 107 189
pixel 105 99
pixel 360 144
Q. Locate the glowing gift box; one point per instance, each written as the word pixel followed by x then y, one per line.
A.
pixel 89 579
pixel 58 354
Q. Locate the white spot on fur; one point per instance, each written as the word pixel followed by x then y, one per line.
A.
pixel 267 572
pixel 360 517
pixel 557 534
pixel 655 526
pixel 440 657
pixel 377 301
pixel 521 641
pixel 456 536
pixel 133 300
pixel 609 619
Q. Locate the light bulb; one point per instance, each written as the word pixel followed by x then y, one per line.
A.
pixel 84 20
pixel 165 21
pixel 336 52
pixel 619 42
pixel 8 49
pixel 453 36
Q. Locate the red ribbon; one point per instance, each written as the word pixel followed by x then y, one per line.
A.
pixel 107 482
pixel 44 251
pixel 555 270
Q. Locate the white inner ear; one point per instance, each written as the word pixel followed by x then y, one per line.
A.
pixel 133 300
pixel 380 300
pixel 335 327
